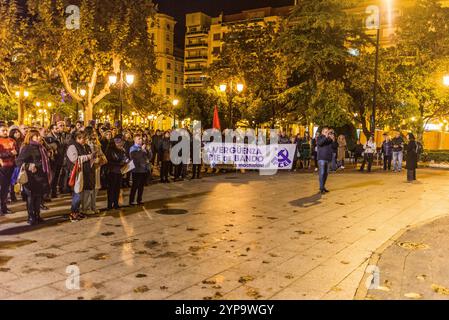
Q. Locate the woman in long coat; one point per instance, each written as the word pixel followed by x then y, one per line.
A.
pixel 34 158
pixel 412 158
pixel 341 155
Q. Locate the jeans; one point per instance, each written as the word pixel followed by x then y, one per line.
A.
pixel 397 160
pixel 89 200
pixel 76 202
pixel 323 171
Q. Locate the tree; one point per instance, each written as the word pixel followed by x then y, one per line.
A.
pixel 422 56
pixel 17 68
pixel 315 43
pixel 198 105
pixel 250 56
pixel 112 35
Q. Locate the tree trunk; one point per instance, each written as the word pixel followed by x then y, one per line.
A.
pixel 89 112
pixel 21 111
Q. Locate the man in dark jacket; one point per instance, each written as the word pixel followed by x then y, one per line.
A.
pixel 141 158
pixel 324 155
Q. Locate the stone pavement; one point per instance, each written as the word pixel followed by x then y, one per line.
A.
pixel 234 236
pixel 414 266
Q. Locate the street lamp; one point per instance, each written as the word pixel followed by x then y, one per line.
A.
pixel 231 89
pixel 376 24
pixel 121 80
pixel 175 103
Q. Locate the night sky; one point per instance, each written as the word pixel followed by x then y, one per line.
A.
pixel 179 8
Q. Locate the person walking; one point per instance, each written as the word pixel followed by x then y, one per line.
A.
pixel 117 158
pixel 324 156
pixel 387 152
pixel 142 158
pixel 34 159
pixel 398 154
pixel 341 154
pixel 369 150
pixel 8 153
pixel 412 158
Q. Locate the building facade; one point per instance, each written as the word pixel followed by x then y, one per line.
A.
pixel 204 38
pixel 169 59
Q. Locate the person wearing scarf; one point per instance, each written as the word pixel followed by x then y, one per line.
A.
pixel 34 158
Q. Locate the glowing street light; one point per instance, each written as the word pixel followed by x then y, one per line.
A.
pixel 446 80
pixel 240 87
pixel 121 79
pixel 175 102
pixel 223 87
pixel 129 79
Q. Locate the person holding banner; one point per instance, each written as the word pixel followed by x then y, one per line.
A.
pixel 324 156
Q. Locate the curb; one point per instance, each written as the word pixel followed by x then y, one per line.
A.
pixel 362 292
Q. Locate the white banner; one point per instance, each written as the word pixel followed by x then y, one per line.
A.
pixel 250 156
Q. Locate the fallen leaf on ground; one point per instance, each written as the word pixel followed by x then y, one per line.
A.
pixel 412 245
pixel 440 289
pixel 413 295
pixel 246 279
pixel 141 289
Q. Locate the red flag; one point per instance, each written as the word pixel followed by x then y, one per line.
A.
pixel 216 124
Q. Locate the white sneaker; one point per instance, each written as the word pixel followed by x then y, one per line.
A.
pixel 342 168
pixel 316 169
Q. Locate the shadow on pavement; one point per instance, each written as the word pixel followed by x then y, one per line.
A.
pixel 307 202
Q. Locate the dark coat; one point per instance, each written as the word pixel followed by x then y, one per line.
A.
pixel 141 159
pixel 412 155
pixel 37 182
pixel 116 159
pixel 324 148
pixel 387 148
pixel 164 149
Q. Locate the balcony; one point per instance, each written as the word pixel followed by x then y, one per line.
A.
pixel 203 57
pixel 193 70
pixel 194 81
pixel 197 32
pixel 197 45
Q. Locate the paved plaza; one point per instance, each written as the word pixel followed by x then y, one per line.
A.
pixel 240 236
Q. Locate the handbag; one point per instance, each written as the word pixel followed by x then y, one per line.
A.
pixel 23 175
pixel 72 179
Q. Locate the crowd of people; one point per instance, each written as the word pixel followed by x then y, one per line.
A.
pixel 81 160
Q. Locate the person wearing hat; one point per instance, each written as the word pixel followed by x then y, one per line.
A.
pixel 117 158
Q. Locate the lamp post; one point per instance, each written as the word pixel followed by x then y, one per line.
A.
pixel 175 104
pixel 231 92
pixel 122 80
pixel 21 94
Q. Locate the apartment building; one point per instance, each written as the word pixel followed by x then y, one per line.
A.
pixel 169 59
pixel 204 37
